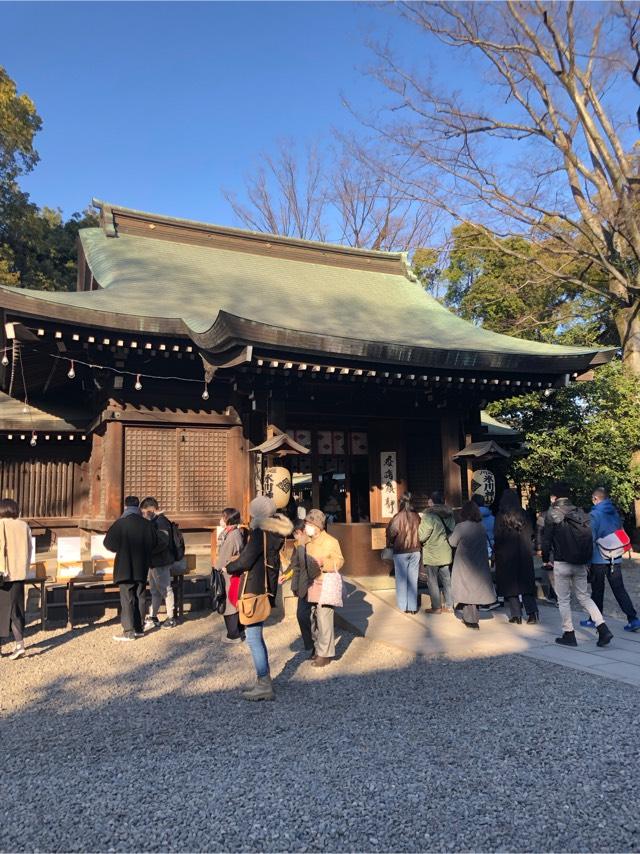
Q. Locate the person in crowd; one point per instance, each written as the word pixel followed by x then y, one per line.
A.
pixel 567 534
pixel 436 504
pixel 470 576
pixel 133 539
pixel 488 520
pixel 402 538
pixel 162 562
pixel 304 572
pixel 513 547
pixel 550 592
pixel 324 551
pixel 15 559
pixel 605 520
pixel 260 560
pixel 436 556
pixel 231 541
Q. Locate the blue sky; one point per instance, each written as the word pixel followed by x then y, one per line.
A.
pixel 159 105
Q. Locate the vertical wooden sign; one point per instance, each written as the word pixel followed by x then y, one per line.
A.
pixel 389 483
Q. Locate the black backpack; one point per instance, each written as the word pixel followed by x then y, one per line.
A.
pixel 177 541
pixel 580 540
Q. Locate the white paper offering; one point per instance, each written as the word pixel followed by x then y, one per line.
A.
pixel 69 557
pixel 102 558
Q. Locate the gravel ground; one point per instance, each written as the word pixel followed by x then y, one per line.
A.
pixel 147 747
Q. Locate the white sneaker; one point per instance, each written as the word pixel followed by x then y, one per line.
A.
pixel 150 624
pixel 18 652
pixel 125 636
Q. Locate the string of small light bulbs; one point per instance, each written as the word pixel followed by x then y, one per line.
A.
pixel 71 374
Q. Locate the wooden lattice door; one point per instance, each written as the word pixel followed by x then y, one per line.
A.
pixel 185 468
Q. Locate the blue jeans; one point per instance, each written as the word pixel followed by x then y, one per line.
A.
pixel 437 577
pixel 258 648
pixel 407 567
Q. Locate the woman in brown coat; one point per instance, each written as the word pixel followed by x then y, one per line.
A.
pixel 15 558
pixel 402 537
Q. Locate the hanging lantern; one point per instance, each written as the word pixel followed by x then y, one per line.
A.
pixel 277 485
pixel 34 440
pixel 205 393
pixel 71 373
pixel 5 359
pixel 138 385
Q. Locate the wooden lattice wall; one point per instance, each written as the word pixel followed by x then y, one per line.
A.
pixel 185 469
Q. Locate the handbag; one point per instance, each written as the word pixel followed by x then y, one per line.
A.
pixel 218 591
pixel 255 607
pixel 387 554
pixel 331 593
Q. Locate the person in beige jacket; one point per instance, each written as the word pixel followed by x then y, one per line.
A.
pixel 325 551
pixel 15 558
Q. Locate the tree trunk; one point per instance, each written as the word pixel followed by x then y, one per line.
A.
pixel 628 325
pixel 627 322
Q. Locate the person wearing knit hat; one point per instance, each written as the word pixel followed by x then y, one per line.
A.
pixel 324 551
pixel 262 507
pixel 260 560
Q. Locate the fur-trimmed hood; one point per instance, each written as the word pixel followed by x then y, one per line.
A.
pixel 276 524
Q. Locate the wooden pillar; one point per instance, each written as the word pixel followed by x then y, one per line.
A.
pixel 238 471
pixel 112 476
pixel 385 436
pixel 452 475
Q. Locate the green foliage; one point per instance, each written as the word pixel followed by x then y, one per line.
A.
pixel 498 284
pixel 37 248
pixel 19 123
pixel 585 434
pixel 43 247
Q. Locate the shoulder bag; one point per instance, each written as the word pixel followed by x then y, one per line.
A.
pixel 255 607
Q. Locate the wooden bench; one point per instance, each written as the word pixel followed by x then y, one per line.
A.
pixel 106 585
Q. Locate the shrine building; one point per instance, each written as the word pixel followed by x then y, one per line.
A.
pixel 187 345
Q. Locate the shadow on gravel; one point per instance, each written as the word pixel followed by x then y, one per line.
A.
pixel 155 751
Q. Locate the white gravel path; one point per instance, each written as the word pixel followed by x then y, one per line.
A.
pixel 147 747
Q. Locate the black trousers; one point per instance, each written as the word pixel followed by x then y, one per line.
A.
pixel 514 607
pixel 234 629
pixel 600 571
pixel 133 602
pixel 303 614
pixel 12 610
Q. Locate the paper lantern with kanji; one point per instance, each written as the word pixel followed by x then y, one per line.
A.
pixel 484 483
pixel 277 485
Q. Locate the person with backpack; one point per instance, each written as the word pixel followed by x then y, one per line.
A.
pixel 567 533
pixel 163 559
pixel 231 541
pixel 605 520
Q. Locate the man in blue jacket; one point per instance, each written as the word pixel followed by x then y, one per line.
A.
pixel 605 519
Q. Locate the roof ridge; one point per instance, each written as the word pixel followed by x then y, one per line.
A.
pixel 107 222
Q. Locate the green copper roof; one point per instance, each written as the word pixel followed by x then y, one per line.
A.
pixel 192 284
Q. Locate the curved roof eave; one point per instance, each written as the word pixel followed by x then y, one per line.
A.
pixel 230 330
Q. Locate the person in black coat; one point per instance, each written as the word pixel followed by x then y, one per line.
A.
pixel 513 548
pixel 133 539
pixel 260 562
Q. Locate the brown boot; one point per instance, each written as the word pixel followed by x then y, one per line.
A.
pixel 262 690
pixel 321 662
pixel 433 610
